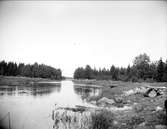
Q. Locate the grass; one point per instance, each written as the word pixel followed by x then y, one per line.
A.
pixel 107 120
pixel 102 120
pixel 142 116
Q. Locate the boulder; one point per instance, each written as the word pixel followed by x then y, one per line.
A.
pixel 158 108
pixel 152 94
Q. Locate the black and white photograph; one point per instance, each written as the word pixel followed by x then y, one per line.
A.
pixel 81 64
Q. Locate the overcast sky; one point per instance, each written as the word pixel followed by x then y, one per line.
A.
pixel 70 34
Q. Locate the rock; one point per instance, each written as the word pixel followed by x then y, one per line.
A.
pixel 152 94
pixel 158 108
pixel 118 99
pixel 160 126
pixel 155 91
pixel 105 101
pixel 135 91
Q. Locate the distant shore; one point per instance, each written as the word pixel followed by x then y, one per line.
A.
pixel 21 81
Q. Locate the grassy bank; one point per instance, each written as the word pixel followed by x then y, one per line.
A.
pixel 19 81
pixel 147 112
pixel 112 88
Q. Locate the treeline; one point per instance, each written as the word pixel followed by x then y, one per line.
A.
pixel 141 70
pixel 28 70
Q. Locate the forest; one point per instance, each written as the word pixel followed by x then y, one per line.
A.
pixel 29 70
pixel 143 69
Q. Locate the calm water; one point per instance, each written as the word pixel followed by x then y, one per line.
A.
pixel 31 107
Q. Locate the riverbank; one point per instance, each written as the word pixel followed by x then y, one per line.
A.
pixel 145 102
pixel 21 81
pixel 112 88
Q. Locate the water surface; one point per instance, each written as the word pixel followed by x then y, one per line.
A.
pixel 30 107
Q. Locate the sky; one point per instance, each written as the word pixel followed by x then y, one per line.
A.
pixel 70 34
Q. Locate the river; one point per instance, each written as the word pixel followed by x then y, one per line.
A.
pixel 30 107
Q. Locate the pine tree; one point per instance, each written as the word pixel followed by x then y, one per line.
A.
pixel 164 78
pixel 160 69
pixel 88 72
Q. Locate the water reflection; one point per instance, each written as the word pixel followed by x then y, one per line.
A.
pixel 85 91
pixel 37 89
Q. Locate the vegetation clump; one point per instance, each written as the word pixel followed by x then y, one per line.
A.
pixel 102 120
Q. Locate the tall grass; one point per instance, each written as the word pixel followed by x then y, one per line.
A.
pixel 102 120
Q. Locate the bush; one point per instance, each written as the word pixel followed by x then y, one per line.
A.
pixel 102 120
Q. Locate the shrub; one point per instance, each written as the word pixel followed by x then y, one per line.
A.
pixel 102 120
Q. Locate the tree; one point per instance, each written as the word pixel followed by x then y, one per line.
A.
pixel 11 69
pixel 3 67
pixel 20 69
pixel 133 74
pixel 27 70
pixel 164 78
pixel 160 69
pixel 35 70
pixel 79 73
pixel 114 72
pixel 141 59
pixel 152 73
pixel 128 70
pixel 141 63
pixel 88 72
pixel 141 70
